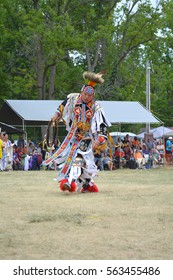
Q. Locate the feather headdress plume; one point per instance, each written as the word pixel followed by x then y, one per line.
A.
pixel 92 79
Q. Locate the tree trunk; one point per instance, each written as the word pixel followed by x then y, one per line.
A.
pixel 39 67
pixel 52 82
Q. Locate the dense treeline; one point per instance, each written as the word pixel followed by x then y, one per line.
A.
pixel 46 45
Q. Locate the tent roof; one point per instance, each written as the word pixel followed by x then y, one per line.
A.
pixel 34 112
pixel 9 129
pixel 158 132
pixel 168 134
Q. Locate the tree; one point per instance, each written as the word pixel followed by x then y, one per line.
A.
pixel 42 37
pixel 47 44
pixel 161 54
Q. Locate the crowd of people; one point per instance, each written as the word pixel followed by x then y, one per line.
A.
pixel 22 155
pixel 134 153
pixel 127 153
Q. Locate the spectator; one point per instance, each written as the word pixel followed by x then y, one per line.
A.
pixel 128 151
pixel 1 151
pixel 98 159
pixel 30 148
pixel 146 155
pixel 119 157
pixel 8 152
pixel 169 150
pixel 154 143
pixel 127 140
pixel 4 155
pixel 169 145
pixel 36 160
pixel 140 160
pixel 135 143
pixel 156 158
pixel 21 142
pixel 145 150
pixel 16 165
pixel 149 144
pixel 160 147
pixel 119 143
pixel 107 161
pixel 57 144
pixel 26 162
pixel 43 147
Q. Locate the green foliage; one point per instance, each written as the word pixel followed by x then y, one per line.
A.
pixel 46 46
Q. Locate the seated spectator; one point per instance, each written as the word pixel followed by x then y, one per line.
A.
pixel 16 164
pixel 128 151
pixel 148 158
pixel 119 152
pixel 127 140
pixel 35 160
pixel 135 143
pixel 149 144
pixel 140 160
pixel 154 143
pixel 30 148
pixel 145 151
pixel 38 147
pixel 132 164
pixel 98 158
pixel 156 158
pixel 57 144
pixel 53 165
pixel 161 149
pixel 119 157
pixel 119 143
pixel 43 145
pixel 107 161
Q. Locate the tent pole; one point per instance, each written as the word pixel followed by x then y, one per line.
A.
pixel 148 68
pixel 164 152
pixel 23 124
pixel 120 148
pixel 25 133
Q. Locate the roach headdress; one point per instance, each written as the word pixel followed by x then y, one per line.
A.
pixel 91 80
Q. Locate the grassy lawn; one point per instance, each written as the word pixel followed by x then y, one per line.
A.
pixel 130 218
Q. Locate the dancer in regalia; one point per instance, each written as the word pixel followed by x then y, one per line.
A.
pixel 87 125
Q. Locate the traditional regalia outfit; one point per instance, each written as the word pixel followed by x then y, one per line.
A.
pixel 86 123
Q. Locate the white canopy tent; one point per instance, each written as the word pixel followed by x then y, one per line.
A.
pixel 38 112
pixel 168 134
pixel 157 132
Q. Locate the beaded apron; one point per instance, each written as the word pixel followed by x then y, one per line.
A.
pixel 80 129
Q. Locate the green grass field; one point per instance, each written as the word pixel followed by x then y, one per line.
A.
pixel 130 218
